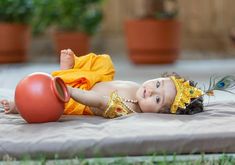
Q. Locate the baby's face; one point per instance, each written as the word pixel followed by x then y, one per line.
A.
pixel 156 94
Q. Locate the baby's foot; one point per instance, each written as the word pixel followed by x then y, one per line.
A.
pixel 8 106
pixel 66 59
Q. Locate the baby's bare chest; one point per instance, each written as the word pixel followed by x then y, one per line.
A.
pixel 123 88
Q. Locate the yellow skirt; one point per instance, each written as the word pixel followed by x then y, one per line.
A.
pixel 87 71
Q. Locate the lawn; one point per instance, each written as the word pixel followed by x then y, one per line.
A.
pixel 203 159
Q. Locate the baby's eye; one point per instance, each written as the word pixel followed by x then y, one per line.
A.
pixel 158 84
pixel 158 99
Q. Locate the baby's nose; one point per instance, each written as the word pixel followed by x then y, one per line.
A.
pixel 149 92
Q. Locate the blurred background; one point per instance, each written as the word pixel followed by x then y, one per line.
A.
pixel 196 29
pixel 144 37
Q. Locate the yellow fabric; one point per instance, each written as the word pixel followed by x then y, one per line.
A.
pixel 88 70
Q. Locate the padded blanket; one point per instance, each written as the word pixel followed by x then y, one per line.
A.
pixel 212 131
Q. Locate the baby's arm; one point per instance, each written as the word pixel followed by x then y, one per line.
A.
pixel 89 98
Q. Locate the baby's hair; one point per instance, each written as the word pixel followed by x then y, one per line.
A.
pixel 195 106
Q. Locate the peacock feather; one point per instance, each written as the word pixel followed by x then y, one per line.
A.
pixel 226 84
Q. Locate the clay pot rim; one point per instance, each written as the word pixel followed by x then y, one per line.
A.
pixel 64 88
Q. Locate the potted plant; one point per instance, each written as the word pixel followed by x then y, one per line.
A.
pixel 14 29
pixel 74 21
pixel 154 38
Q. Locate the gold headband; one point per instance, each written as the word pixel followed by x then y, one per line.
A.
pixel 184 93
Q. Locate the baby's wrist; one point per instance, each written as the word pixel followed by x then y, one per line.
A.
pixel 70 90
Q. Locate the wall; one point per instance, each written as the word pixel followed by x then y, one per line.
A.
pixel 206 24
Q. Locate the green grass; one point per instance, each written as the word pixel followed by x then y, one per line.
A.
pixel 211 159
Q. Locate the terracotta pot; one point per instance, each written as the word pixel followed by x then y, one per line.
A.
pixel 153 41
pixel 78 42
pixel 40 98
pixel 14 42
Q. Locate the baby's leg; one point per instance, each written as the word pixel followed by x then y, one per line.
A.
pixel 8 106
pixel 67 59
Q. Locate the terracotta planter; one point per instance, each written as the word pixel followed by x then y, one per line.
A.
pixel 153 41
pixel 78 42
pixel 14 42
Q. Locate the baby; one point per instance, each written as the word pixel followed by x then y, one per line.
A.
pixel 94 92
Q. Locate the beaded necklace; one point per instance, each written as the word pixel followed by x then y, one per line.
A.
pixel 129 101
